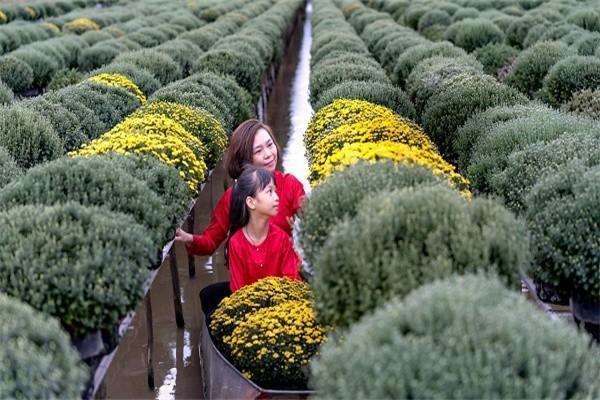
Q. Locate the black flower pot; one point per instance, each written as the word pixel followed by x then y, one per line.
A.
pixel 586 313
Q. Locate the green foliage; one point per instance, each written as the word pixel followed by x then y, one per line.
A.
pixel 532 65
pixel 37 358
pixel 587 44
pixel 9 170
pixel 160 65
pixel 463 337
pixel 183 52
pixel 585 103
pixel 588 19
pixel 491 151
pixel 413 56
pixel 83 265
pixel 6 94
pixel 43 66
pixel 385 94
pixel 527 166
pixel 100 54
pixel 457 100
pixel 27 136
pixel 471 34
pixel 433 18
pixel 90 122
pixel 64 78
pixel 563 216
pixel 519 28
pixel 91 181
pixel 570 76
pixel 494 56
pixel 338 198
pixel 402 239
pixel 15 73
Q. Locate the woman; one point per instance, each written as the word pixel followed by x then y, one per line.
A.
pixel 252 143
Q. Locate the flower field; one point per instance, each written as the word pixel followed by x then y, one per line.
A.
pixel 453 154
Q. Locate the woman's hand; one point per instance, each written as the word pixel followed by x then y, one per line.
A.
pixel 183 236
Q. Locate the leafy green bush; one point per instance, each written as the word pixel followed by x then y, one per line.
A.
pixel 83 265
pixel 27 136
pixel 6 94
pixel 402 239
pixel 413 56
pixel 9 170
pixel 465 13
pixel 91 181
pixel 347 44
pixel 384 94
pixel 457 100
pixel 532 65
pixel 37 358
pixel 471 34
pixel 183 52
pixel 64 78
pixel 100 54
pixel 519 28
pixel 585 103
pixel 160 65
pixel 66 124
pixel 570 76
pixel 42 65
pixel 427 76
pixel 527 166
pixel 588 19
pixel 481 123
pixel 396 47
pixel 244 68
pixel 15 73
pixel 491 151
pixel 587 44
pixel 339 198
pixel 463 337
pixel 90 122
pixel 432 18
pixel 93 37
pixel 494 56
pixel 413 14
pixel 328 76
pixel 563 216
pixel 143 78
pixel 148 37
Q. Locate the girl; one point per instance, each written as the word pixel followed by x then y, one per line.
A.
pixel 257 248
pixel 252 143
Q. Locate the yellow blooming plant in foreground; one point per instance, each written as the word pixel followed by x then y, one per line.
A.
pixel 168 149
pixel 161 125
pixel 80 25
pixel 121 81
pixel 196 121
pixel 53 27
pixel 350 154
pixel 395 129
pixel 274 345
pixel 342 112
pixel 268 330
pixel 3 18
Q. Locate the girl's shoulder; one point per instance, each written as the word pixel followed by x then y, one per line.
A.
pixel 276 233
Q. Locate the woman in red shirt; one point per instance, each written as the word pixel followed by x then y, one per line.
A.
pixel 252 143
pixel 257 248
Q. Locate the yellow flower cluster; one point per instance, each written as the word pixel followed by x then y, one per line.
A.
pixel 31 12
pixel 265 293
pixel 274 345
pixel 269 331
pixel 196 121
pixel 341 112
pixel 80 25
pixel 53 27
pixel 398 152
pixel 121 81
pixel 394 128
pixel 3 17
pixel 347 131
pixel 168 149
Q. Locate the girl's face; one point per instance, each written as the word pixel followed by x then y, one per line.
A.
pixel 266 201
pixel 264 151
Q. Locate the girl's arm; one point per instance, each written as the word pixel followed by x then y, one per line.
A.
pixel 216 231
pixel 237 277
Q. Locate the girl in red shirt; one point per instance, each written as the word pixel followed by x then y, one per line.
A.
pixel 252 143
pixel 257 248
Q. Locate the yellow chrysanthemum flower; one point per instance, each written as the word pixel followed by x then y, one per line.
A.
pixel 53 27
pixel 121 81
pixel 81 25
pixel 3 18
pixel 398 152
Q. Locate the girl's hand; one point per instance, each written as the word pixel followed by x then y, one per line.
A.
pixel 290 220
pixel 183 236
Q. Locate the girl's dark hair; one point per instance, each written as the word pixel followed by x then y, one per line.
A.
pixel 251 181
pixel 241 146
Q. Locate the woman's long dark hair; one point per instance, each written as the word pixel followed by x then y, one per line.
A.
pixel 250 182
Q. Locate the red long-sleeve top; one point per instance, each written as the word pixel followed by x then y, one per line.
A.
pixel 275 256
pixel 290 192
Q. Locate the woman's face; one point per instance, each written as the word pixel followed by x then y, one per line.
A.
pixel 264 151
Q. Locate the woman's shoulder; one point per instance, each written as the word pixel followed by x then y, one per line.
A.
pixel 287 180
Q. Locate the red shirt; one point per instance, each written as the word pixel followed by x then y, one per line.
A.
pixel 275 256
pixel 290 192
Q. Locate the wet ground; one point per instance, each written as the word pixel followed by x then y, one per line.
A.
pixel 176 363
